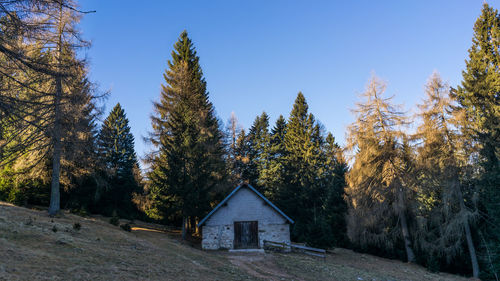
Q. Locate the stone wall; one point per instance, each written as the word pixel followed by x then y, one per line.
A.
pixel 217 237
pixel 274 232
pixel 222 236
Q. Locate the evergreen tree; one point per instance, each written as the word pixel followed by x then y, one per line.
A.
pixel 273 178
pixel 377 195
pixel 188 167
pixel 258 143
pixel 478 97
pixel 241 158
pixel 335 205
pixel 277 138
pixel 116 151
pixel 232 132
pixel 303 193
pixel 116 143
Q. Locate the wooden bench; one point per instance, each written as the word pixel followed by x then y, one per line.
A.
pixel 280 246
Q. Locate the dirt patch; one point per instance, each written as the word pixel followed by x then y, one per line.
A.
pixel 259 265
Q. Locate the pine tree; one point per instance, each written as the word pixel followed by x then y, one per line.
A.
pixel 258 143
pixel 478 98
pixel 188 167
pixel 479 93
pixel 302 194
pixel 116 151
pixel 232 131
pixel 277 137
pixel 377 196
pixel 116 143
pixel 241 158
pixel 273 177
pixel 335 206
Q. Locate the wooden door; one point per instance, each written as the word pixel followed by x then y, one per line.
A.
pixel 246 234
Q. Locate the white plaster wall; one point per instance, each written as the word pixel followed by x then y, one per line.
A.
pixel 245 205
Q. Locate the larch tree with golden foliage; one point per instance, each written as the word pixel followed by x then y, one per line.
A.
pixel 377 193
pixel 443 171
pixel 40 37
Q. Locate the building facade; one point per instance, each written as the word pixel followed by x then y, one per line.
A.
pixel 243 220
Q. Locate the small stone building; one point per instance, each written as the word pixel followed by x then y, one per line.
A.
pixel 243 220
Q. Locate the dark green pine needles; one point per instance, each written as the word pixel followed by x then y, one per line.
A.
pixel 187 166
pixel 116 143
pixel 479 98
pixel 119 161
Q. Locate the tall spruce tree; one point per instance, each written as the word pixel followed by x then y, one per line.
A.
pixel 258 143
pixel 335 206
pixel 117 153
pixel 273 179
pixel 232 131
pixel 241 168
pixel 377 195
pixel 303 192
pixel 277 138
pixel 116 143
pixel 479 99
pixel 188 165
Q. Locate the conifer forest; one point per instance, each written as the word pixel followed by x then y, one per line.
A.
pixel 421 185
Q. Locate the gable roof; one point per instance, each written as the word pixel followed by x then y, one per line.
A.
pixel 234 192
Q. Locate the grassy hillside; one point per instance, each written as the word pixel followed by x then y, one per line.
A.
pixel 36 247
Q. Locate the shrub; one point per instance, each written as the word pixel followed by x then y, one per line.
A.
pixel 114 220
pixel 82 212
pixel 126 227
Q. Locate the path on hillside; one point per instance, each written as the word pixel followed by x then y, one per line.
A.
pixel 342 264
pixel 258 265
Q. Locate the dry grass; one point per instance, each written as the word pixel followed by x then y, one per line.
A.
pixel 31 250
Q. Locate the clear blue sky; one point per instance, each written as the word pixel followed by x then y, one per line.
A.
pixel 257 55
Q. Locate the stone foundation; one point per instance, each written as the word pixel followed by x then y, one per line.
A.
pixel 217 237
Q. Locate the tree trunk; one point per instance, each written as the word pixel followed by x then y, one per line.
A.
pixel 55 197
pixel 404 226
pixel 192 226
pixel 184 222
pixel 472 250
pixel 468 234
